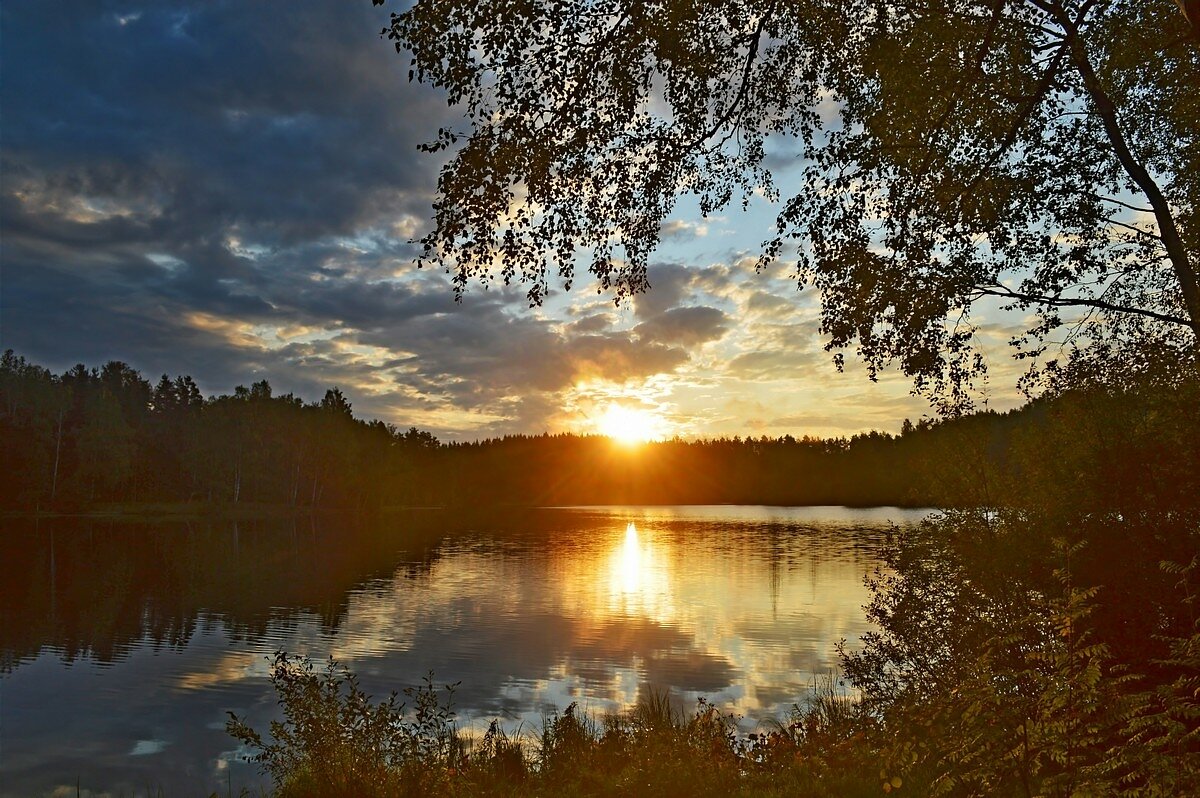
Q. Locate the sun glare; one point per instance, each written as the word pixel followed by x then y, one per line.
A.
pixel 627 425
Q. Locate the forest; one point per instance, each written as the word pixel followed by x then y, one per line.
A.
pixel 106 437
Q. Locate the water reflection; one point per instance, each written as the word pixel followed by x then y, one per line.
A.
pixel 146 636
pixel 639 579
pixel 628 562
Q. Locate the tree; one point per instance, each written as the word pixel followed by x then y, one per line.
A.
pixel 33 405
pixel 336 402
pixel 106 447
pixel 1042 152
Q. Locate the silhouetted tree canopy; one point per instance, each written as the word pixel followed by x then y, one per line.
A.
pixel 1043 152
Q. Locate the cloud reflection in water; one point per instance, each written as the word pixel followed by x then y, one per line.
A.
pixel 741 605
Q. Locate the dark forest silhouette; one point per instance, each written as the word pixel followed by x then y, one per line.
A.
pixel 102 435
pixel 92 438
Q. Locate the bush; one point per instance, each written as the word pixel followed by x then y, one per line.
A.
pixel 333 741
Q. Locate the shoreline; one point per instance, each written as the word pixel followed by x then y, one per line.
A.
pixel 170 511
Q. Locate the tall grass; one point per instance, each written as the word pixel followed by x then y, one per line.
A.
pixel 334 740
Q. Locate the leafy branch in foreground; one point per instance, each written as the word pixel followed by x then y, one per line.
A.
pixel 1042 152
pixel 991 673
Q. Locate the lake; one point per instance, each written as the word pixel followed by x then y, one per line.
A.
pixel 124 646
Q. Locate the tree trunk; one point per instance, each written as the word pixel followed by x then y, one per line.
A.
pixel 1185 271
pixel 57 451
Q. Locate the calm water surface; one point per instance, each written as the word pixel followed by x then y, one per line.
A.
pixel 122 647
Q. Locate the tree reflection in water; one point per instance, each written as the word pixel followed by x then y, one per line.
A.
pixel 168 625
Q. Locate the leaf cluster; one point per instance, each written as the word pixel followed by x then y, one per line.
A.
pixel 1040 153
pixel 992 677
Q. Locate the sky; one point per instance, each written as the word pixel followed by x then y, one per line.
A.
pixel 229 190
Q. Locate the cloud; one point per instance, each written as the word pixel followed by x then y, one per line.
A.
pixel 670 284
pixel 769 305
pixel 229 190
pixel 687 326
pixel 772 364
pixel 593 323
pixel 287 120
pixel 681 229
pixel 618 358
pixel 232 195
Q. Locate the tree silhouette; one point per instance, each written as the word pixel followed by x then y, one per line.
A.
pixel 74 445
pixel 335 402
pixel 1045 153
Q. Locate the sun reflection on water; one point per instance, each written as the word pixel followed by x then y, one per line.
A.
pixel 629 561
pixel 639 583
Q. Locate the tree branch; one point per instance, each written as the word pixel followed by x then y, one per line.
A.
pixel 1116 201
pixel 1185 273
pixel 1005 292
pixel 743 91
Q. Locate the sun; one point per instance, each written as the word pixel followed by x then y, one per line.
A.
pixel 629 425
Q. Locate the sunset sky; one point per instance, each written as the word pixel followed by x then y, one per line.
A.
pixel 228 189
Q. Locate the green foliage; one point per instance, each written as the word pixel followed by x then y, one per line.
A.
pixel 1161 754
pixel 500 760
pixel 990 675
pixel 98 436
pixel 1041 152
pixel 1120 447
pixel 334 741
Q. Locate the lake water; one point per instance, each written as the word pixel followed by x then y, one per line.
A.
pixel 122 646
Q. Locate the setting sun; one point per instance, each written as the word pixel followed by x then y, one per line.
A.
pixel 629 425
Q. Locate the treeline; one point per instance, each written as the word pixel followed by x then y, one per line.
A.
pixel 99 435
pixel 920 467
pixel 1110 445
pixel 107 435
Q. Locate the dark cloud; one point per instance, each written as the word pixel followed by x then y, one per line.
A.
pixel 182 134
pixel 227 189
pixel 288 120
pixel 592 323
pixel 670 286
pixel 690 326
pixel 483 355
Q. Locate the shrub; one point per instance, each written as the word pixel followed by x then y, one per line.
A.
pixel 334 741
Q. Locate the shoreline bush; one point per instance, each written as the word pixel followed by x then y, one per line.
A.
pixel 334 740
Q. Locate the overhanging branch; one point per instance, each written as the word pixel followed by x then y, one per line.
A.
pixel 743 91
pixel 1059 301
pixel 1106 109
